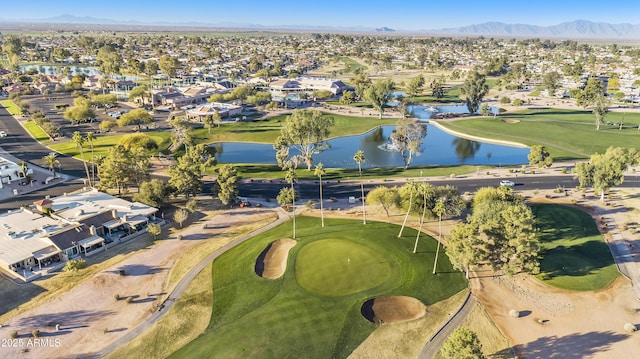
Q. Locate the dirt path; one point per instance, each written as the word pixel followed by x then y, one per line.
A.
pixel 90 317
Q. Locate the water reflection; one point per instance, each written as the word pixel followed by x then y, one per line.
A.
pixel 466 148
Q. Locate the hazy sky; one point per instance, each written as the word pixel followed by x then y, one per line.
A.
pixel 399 14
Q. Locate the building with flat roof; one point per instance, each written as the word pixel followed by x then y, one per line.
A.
pixel 41 239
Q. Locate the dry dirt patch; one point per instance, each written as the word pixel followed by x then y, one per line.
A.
pixel 510 120
pixel 393 309
pixel 272 262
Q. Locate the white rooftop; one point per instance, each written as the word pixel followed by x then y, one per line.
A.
pixel 22 234
pixel 83 204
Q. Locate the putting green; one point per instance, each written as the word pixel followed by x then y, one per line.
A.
pixel 336 267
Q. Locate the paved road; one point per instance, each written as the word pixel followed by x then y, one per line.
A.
pixel 435 342
pixel 182 286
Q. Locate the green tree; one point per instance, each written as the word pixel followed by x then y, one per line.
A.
pixel 360 82
pixel 462 344
pixel 551 82
pixel 186 176
pixel 106 126
pixel 360 159
pixel 414 87
pixel 78 140
pixel 154 230
pixel 437 89
pixel 227 184
pixel 208 122
pixel 408 137
pixel 539 156
pixel 89 138
pixel 604 171
pixel 109 61
pixel 474 89
pixel 348 97
pixel 500 232
pixel 153 193
pixel 169 65
pixel 192 205
pixel 319 172
pixel 305 131
pixel 379 94
pixel 593 96
pixel 74 265
pixel 384 197
pixel 139 140
pixel 138 117
pixel 485 110
pixel 123 167
pixel 51 161
pixel 449 203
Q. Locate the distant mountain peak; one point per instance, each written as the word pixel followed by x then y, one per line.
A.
pixel 578 29
pixel 384 29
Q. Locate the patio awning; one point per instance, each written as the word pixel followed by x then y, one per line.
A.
pixel 46 253
pixel 86 243
pixel 133 221
pixel 113 224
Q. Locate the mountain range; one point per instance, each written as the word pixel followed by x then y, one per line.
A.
pixel 579 29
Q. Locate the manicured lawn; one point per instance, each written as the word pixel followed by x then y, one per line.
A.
pixel 274 172
pixel 574 256
pixel 36 132
pixel 102 144
pixel 568 134
pixel 256 318
pixel 11 107
pixel 267 130
pixel 351 65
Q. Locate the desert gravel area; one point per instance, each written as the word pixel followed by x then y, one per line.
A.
pixel 90 317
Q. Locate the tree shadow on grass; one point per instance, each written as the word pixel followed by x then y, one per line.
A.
pixel 574 346
pixel 575 261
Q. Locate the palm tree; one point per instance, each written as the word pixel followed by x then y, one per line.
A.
pixel 359 158
pixel 79 141
pixel 291 177
pixel 89 138
pixel 319 171
pixel 408 209
pixel 51 161
pixel 424 211
pixel 439 210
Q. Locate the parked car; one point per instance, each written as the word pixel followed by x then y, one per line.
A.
pixel 244 202
pixel 3 134
pixel 507 183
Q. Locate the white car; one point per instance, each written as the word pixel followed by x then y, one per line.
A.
pixel 3 134
pixel 507 183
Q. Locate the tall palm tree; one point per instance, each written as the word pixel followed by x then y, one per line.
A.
pixel 359 158
pixel 424 211
pixel 404 222
pixel 319 171
pixel 291 177
pixel 439 210
pixel 79 141
pixel 89 137
pixel 51 161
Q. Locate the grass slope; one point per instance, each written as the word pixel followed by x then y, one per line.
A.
pixel 102 144
pixel 254 317
pixel 575 256
pixel 569 134
pixel 36 132
pixel 11 107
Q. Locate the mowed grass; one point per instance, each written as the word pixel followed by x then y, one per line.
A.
pixel 568 134
pixel 574 255
pixel 275 172
pixel 256 318
pixel 36 132
pixel 102 144
pixel 267 130
pixel 11 107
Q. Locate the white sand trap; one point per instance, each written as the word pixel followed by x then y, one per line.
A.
pixel 275 260
pixel 396 309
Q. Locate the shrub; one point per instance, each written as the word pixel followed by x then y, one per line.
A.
pixel 514 313
pixel 564 170
pixel 117 296
pixel 13 334
pixel 36 333
pixel 129 300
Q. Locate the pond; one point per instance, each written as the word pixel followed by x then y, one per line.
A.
pixel 439 148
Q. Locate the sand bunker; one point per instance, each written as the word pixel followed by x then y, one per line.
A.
pixel 386 310
pixel 272 262
pixel 510 120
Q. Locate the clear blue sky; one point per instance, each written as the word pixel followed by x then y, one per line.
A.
pixel 399 14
